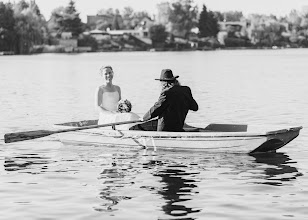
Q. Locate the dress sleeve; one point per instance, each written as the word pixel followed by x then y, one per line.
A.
pixel 158 107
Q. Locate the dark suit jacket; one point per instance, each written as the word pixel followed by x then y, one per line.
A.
pixel 171 108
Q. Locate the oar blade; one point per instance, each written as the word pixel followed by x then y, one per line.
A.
pixel 28 135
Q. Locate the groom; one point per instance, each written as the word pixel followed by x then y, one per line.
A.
pixel 173 104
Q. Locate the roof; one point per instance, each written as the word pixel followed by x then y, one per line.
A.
pixel 96 31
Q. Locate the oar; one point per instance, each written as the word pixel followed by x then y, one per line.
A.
pixel 28 135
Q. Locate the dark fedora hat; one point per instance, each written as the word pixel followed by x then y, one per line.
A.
pixel 167 75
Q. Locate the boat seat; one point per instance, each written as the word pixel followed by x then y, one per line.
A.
pixel 152 126
pixel 226 128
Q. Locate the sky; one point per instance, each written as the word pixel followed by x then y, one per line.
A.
pixel 91 7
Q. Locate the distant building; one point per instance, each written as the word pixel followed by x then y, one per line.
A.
pixel 141 27
pixel 66 35
pixel 145 24
pixel 99 35
pixel 137 33
pixel 69 44
pixel 239 28
pixel 110 33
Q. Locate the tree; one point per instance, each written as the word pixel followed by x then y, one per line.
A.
pixel 30 26
pixel 127 15
pixel 233 16
pixel 294 20
pixel 163 15
pixel 183 17
pixel 7 30
pixel 21 5
pixel 108 11
pixel 208 24
pixel 55 22
pixel 304 23
pixel 141 14
pixel 66 20
pixel 34 7
pixel 158 35
pixel 71 21
pixel 117 22
pixel 266 31
pixel 219 16
pixel 128 12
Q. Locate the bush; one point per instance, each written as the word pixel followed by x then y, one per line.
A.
pixel 158 34
pixel 37 49
pixel 237 42
pixel 303 43
pixel 209 42
pixel 87 41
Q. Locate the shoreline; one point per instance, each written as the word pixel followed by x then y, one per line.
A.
pixel 153 50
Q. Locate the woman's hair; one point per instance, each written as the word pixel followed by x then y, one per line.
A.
pixel 169 84
pixel 104 67
pixel 124 106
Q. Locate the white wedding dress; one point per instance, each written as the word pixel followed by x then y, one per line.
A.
pixel 110 103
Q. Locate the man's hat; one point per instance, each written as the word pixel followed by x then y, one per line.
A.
pixel 167 75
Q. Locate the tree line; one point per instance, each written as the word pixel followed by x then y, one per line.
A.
pixel 22 25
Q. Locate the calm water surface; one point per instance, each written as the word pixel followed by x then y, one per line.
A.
pixel 44 179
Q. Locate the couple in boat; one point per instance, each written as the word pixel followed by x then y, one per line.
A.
pixel 171 108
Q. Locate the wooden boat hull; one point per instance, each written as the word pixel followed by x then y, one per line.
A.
pixel 226 140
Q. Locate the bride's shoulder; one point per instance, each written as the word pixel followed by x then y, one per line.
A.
pixel 117 87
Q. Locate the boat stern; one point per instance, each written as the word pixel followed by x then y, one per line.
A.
pixel 277 139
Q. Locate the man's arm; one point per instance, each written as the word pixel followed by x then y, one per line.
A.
pixel 193 104
pixel 157 108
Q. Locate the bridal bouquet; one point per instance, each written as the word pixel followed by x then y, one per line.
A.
pixel 124 106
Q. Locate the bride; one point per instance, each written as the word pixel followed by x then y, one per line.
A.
pixel 107 100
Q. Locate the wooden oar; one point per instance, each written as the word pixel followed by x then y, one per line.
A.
pixel 28 135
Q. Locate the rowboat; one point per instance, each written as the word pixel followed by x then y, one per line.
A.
pixel 237 138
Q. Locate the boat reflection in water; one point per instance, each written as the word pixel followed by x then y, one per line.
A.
pixel 118 172
pixel 177 180
pixel 176 184
pixel 179 186
pixel 280 170
pixel 114 180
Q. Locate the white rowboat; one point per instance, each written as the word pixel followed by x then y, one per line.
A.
pixel 215 137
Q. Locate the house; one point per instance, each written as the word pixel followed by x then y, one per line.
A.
pixel 69 44
pixel 66 35
pixel 238 28
pixel 99 35
pixel 137 37
pixel 137 33
pixel 145 23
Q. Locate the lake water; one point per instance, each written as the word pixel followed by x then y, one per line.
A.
pixel 45 179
